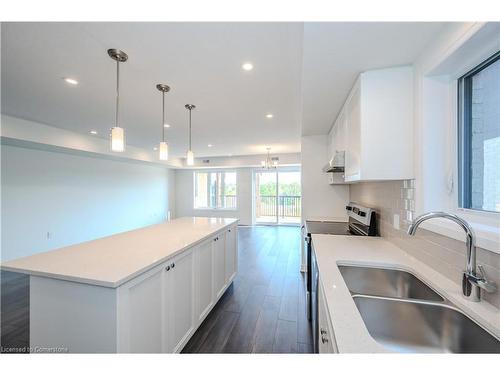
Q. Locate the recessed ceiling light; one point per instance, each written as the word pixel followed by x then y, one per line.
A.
pixel 166 125
pixel 71 81
pixel 93 132
pixel 210 145
pixel 155 148
pixel 269 115
pixel 247 66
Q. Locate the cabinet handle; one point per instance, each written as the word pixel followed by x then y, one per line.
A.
pixel 167 268
pixel 229 230
pixel 172 265
pixel 324 337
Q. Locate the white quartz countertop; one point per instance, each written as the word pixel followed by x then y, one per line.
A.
pixel 351 334
pixel 113 260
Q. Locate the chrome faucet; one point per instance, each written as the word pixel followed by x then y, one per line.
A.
pixel 472 280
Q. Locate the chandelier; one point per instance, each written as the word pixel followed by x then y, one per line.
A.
pixel 270 162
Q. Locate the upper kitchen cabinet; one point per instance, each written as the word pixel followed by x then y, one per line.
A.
pixel 375 127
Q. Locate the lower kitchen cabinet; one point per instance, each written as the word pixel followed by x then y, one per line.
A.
pixel 140 319
pixel 231 247
pixel 327 342
pixel 156 309
pixel 204 279
pixel 219 254
pixel 159 310
pixel 179 305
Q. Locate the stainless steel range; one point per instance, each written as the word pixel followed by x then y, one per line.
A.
pixel 362 222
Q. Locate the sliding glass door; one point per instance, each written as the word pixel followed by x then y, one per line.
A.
pixel 266 209
pixel 289 197
pixel 277 197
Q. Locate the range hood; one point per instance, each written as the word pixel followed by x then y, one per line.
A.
pixel 336 164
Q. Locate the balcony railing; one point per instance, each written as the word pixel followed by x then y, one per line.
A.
pixel 229 201
pixel 283 206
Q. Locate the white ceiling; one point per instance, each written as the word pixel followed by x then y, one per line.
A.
pixel 202 64
pixel 200 61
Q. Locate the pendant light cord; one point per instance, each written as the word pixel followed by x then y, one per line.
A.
pixel 189 130
pixel 117 89
pixel 163 118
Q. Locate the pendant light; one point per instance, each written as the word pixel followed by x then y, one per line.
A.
pixel 117 132
pixel 190 155
pixel 163 145
pixel 269 163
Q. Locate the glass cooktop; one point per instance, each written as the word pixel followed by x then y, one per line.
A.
pixel 327 227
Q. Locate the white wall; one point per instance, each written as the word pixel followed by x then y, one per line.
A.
pixel 184 194
pixel 454 51
pixel 319 199
pixel 75 198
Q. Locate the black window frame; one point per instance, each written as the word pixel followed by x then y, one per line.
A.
pixel 465 133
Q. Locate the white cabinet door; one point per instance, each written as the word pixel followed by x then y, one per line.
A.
pixel 204 280
pixel 141 320
pixel 338 135
pixel 332 136
pixel 219 264
pixel 341 142
pixel 327 342
pixel 231 253
pixel 180 302
pixel 378 121
pixel 353 146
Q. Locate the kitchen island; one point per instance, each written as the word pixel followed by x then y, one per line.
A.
pixel 145 290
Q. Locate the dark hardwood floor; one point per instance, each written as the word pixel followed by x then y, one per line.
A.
pixel 264 311
pixel 14 312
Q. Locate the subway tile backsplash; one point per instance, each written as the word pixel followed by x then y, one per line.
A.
pixel 444 254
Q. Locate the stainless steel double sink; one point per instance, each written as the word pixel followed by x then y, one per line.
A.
pixel 404 314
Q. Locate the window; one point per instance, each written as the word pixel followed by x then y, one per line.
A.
pixel 479 137
pixel 215 190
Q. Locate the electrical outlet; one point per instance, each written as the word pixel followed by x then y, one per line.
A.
pixel 396 222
